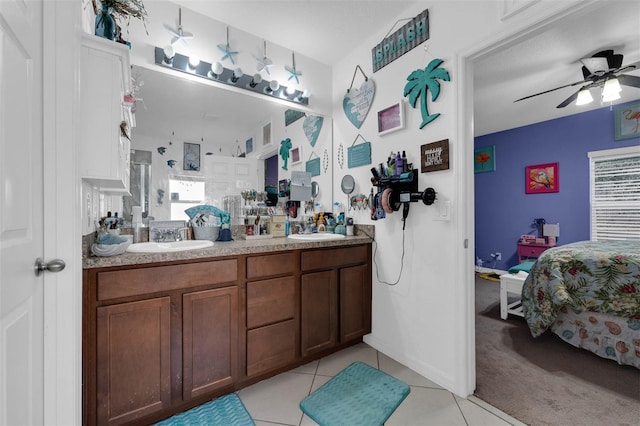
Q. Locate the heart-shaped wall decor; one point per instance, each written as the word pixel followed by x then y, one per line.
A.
pixel 312 125
pixel 357 102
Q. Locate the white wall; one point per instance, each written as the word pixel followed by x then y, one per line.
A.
pixel 426 320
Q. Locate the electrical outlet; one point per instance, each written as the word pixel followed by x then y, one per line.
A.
pixel 498 255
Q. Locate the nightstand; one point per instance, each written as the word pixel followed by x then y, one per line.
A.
pixel 527 251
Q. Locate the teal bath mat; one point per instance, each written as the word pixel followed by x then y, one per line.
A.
pixel 227 410
pixel 358 395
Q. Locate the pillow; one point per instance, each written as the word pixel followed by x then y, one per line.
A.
pixel 524 267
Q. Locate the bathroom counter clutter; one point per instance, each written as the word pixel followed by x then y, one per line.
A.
pixel 219 249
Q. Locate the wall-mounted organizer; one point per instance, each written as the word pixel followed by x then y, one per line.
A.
pixel 397 191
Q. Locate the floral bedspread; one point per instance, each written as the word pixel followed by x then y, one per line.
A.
pixel 595 276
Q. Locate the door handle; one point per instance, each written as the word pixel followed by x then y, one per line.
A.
pixel 55 265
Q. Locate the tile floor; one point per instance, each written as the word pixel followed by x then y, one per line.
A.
pixel 275 401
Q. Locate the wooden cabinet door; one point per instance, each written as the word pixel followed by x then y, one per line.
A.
pixel 133 360
pixel 355 302
pixel 319 322
pixel 210 340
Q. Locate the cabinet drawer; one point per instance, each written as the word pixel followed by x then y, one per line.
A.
pixel 319 259
pixel 270 301
pixel 133 282
pixel 272 264
pixel 271 347
pixel 531 251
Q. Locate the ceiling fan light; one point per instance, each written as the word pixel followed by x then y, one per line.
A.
pixel 584 97
pixel 611 90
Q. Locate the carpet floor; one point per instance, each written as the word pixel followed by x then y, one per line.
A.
pixel 546 381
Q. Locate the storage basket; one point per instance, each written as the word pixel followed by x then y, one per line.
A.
pixel 206 232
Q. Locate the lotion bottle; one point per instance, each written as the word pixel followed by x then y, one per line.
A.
pixel 399 167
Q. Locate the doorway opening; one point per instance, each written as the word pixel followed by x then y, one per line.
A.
pixel 271 179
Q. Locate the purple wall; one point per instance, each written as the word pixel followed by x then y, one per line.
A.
pixel 502 209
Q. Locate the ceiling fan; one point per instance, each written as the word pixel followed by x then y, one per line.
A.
pixel 602 69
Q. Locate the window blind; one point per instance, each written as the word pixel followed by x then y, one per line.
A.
pixel 615 194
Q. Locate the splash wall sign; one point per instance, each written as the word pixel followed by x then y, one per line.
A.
pixel 410 35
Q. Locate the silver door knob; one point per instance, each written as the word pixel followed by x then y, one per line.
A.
pixel 55 265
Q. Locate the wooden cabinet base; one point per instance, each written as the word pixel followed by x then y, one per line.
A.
pixel 161 338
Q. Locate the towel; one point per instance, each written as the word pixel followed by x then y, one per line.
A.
pixel 107 238
pixel 203 209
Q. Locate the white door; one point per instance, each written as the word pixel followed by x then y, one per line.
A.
pixel 21 213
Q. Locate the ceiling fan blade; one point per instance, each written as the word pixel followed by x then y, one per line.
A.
pixel 629 80
pixel 551 90
pixel 614 61
pixel 629 67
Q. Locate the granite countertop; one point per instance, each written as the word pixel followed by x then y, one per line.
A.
pixel 219 249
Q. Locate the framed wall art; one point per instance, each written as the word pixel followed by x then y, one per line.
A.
pixel 484 159
pixel 249 146
pixel 627 121
pixel 391 118
pixel 542 178
pixel 266 134
pixel 296 155
pixel 191 156
pixel 434 156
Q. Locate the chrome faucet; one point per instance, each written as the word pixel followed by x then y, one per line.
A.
pixel 160 235
pixel 179 237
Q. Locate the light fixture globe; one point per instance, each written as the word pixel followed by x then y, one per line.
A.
pixel 274 85
pixel 611 90
pixel 217 68
pixel 194 61
pixel 257 79
pixel 584 97
pixel 169 53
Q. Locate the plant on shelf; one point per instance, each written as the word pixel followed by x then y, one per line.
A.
pixel 113 11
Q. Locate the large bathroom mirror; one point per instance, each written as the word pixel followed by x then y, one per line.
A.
pixel 234 141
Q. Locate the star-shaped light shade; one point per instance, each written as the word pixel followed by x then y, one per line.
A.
pixel 226 49
pixel 265 63
pixel 293 73
pixel 228 53
pixel 180 35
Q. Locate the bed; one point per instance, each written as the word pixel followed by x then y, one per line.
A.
pixel 588 293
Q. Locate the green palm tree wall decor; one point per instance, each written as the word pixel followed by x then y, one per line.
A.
pixel 423 81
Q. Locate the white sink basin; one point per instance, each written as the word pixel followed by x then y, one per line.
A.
pixel 172 246
pixel 321 236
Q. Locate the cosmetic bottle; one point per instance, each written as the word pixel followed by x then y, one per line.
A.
pixel 399 167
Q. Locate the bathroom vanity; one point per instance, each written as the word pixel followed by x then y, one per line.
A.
pixel 166 332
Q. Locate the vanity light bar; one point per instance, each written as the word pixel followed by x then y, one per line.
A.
pixel 203 69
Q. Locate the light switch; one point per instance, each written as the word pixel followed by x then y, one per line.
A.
pixel 442 210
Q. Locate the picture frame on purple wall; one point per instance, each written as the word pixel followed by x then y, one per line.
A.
pixel 627 121
pixel 542 178
pixel 484 159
